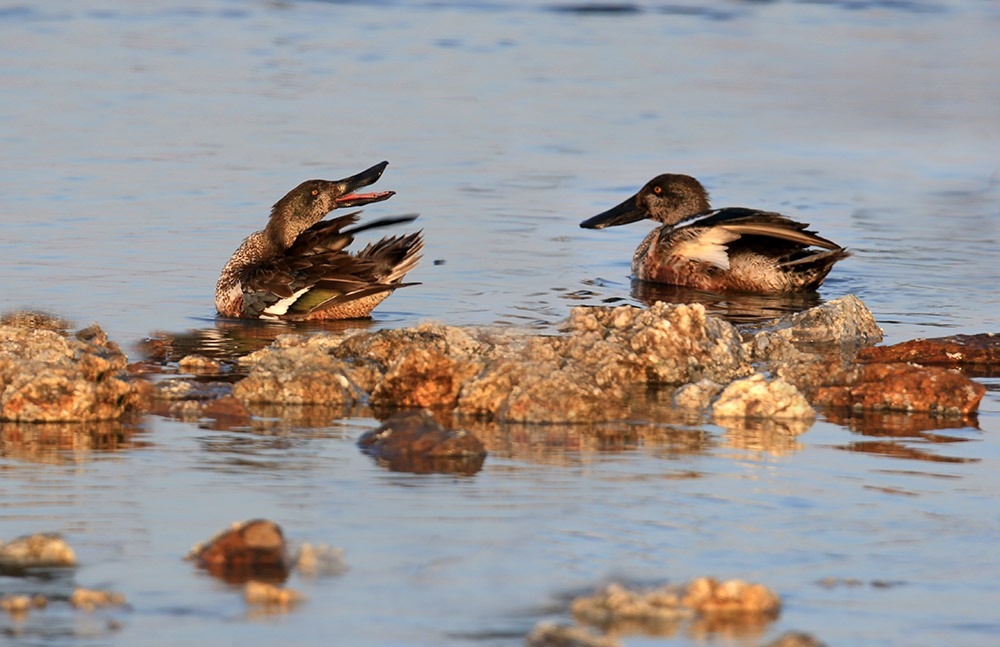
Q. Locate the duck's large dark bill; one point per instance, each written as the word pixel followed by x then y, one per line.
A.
pixel 623 214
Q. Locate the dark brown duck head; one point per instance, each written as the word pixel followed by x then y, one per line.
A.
pixel 667 198
pixel 309 202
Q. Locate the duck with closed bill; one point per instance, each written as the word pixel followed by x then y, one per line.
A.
pixel 297 268
pixel 734 248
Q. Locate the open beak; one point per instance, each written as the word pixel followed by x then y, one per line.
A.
pixel 351 184
pixel 623 214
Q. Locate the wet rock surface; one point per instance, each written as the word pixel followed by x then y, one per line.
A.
pixel 269 595
pixel 47 376
pixel 35 551
pixel 600 368
pixel 548 634
pixel 413 441
pixel 841 321
pixel 249 550
pixel 755 397
pixel 703 605
pixel 976 351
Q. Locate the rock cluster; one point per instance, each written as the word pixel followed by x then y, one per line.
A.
pixel 46 376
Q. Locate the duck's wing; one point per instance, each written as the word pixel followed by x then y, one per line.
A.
pixel 316 273
pixel 753 222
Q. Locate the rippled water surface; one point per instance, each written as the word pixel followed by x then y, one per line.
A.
pixel 142 141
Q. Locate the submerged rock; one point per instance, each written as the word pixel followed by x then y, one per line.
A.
pixel 413 441
pixel 19 605
pixel 548 634
pixel 796 639
pixel 719 605
pixel 320 560
pixel 48 377
pixel 247 550
pixel 88 600
pixel 38 550
pixel 264 594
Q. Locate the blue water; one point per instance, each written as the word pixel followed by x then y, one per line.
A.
pixel 141 142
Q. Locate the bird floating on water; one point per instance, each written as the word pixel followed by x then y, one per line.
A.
pixel 734 248
pixel 297 268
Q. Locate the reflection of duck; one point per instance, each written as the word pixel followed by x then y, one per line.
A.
pixel 719 249
pixel 296 268
pixel 734 307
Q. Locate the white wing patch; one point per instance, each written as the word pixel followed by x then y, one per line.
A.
pixel 282 306
pixel 708 247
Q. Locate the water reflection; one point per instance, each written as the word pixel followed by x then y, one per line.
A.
pixel 230 339
pixel 66 443
pixel 733 307
pixel 910 433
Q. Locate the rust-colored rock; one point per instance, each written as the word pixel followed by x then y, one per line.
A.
pixel 956 350
pixel 423 377
pixel 706 595
pixel 413 441
pixel 249 550
pixel 903 387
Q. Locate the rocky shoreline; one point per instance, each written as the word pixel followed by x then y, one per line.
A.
pixel 607 364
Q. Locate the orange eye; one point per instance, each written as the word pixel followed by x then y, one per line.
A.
pixel 657 190
pixel 315 191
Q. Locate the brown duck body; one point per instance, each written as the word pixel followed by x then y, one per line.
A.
pixel 732 249
pixel 297 268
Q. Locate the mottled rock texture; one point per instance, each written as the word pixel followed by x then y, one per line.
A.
pixel 46 376
pixel 40 549
pixel 844 320
pixel 956 350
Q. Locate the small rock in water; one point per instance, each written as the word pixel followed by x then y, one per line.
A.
pixel 706 595
pixel 795 639
pixel 264 594
pixel 38 550
pixel 413 441
pixel 247 550
pixel 89 600
pixel 19 605
pixel 660 610
pixel 320 560
pixel 548 634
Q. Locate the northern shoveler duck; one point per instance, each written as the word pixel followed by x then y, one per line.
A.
pixel 296 268
pixel 719 249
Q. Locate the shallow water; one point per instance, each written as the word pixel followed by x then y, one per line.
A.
pixel 142 143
